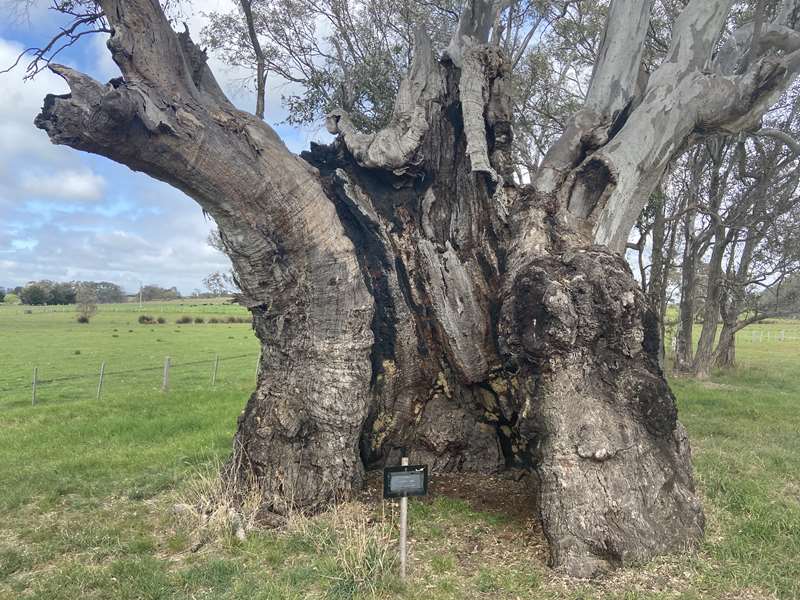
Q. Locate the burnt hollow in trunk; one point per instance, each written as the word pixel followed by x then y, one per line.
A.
pixel 407 294
pixel 484 355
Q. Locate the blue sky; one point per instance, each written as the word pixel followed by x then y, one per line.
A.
pixel 68 215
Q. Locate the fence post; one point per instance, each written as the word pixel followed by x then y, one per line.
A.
pixel 100 383
pixel 214 372
pixel 165 380
pixel 33 396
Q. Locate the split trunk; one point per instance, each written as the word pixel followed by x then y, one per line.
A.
pixel 408 295
pixel 478 331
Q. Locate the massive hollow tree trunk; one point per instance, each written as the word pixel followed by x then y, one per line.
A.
pixel 407 294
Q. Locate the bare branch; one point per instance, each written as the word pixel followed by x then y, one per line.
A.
pixel 85 22
pixel 696 32
pixel 617 67
pixel 781 136
pixel 474 26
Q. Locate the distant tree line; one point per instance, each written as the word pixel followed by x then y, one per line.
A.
pixel 46 292
pixel 155 292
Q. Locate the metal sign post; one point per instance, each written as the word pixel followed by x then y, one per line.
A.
pixel 403 525
pixel 402 482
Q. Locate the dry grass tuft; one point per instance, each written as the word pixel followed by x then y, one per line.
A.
pixel 363 549
pixel 215 505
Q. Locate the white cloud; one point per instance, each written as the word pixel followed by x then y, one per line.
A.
pixel 166 249
pixel 104 65
pixel 65 184
pixel 20 101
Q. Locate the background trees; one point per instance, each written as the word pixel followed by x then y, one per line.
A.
pixel 156 292
pixel 58 293
pixel 86 298
pixel 48 292
pixel 723 229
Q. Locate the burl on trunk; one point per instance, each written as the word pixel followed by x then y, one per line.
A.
pixel 476 353
pixel 408 294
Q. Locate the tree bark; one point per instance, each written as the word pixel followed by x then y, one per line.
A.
pixel 407 294
pixel 663 250
pixel 703 358
pixel 684 346
pixel 725 353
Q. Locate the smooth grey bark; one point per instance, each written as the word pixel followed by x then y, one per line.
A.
pixel 406 294
pixel 608 190
pixel 261 65
pixel 664 238
pixel 715 274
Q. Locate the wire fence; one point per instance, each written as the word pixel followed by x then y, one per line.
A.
pixel 170 374
pixel 752 335
pixel 759 335
pixel 216 308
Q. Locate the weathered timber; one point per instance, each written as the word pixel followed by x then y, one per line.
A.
pixel 407 294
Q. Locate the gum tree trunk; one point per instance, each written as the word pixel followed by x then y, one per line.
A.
pixel 407 294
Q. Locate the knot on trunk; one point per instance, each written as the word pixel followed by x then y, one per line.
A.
pixel 582 300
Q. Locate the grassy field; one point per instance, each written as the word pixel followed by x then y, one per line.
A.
pixel 88 488
pixel 50 339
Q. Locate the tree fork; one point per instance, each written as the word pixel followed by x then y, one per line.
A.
pixel 406 293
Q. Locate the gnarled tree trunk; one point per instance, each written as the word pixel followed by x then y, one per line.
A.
pixel 407 294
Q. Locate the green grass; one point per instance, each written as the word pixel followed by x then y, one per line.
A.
pixel 51 340
pixel 86 487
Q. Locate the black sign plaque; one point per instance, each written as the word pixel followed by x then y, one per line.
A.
pixel 405 481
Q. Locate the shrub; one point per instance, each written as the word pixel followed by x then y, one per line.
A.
pixel 161 320
pixel 86 298
pixel 213 320
pixel 184 320
pixel 83 318
pixel 146 320
pixel 232 320
pixel 199 320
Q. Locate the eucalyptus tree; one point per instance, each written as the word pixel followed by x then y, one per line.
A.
pixel 328 53
pixel 736 200
pixel 407 294
pixel 747 234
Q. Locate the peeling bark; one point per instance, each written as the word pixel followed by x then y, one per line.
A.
pixel 406 294
pixel 711 98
